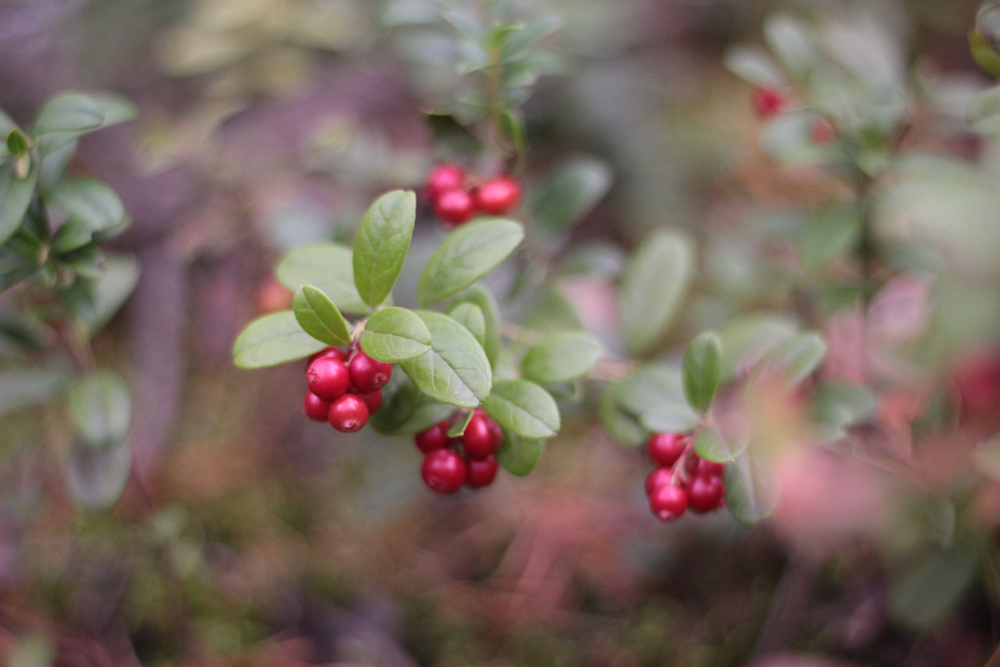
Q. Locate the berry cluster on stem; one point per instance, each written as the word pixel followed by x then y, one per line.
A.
pixel 456 200
pixel 682 479
pixel 469 460
pixel 345 387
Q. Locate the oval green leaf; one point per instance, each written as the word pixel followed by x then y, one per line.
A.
pixel 406 410
pixel 319 318
pixel 712 445
pixel 69 116
pixel 395 334
pixel 455 370
pixel 326 266
pixel 518 455
pixel 561 357
pixel 96 212
pixel 484 298
pixel 381 244
pixel 15 197
pixel 702 370
pixel 797 357
pixel 524 408
pixel 616 422
pixel 672 417
pixel 751 495
pixel 101 406
pixel 468 254
pixel 273 339
pixel 470 316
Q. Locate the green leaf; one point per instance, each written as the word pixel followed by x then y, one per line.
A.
pixel 673 417
pixel 381 244
pixel 827 236
pixel 836 407
pixel 650 385
pixel 97 476
pixel 797 357
pixel 549 311
pixel 54 166
pixel 712 445
pixel 101 407
pixel 755 66
pixel 653 287
pixel 326 266
pixel 484 298
pixel 458 428
pixel 27 387
pixel 15 197
pixel 561 357
pixel 109 293
pixel 619 425
pixel 925 594
pixel 468 254
pixel 790 41
pixel 273 339
pixel 470 316
pixel 406 410
pixel 570 193
pixel 17 143
pixel 751 495
pixel 745 340
pixel 455 370
pixel 519 42
pixel 69 116
pixel 702 370
pixel 519 455
pixel 524 408
pixel 319 318
pixel 983 53
pixel 96 212
pixel 395 334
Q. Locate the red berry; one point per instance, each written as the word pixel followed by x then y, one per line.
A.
pixel 705 493
pixel 315 407
pixel 665 448
pixel 482 472
pixel 369 375
pixel 768 102
pixel 709 468
pixel 668 502
pixel 444 471
pixel 444 178
pixel 658 478
pixel 480 438
pixel 372 400
pixel 498 196
pixel 348 413
pixel 435 437
pixel 335 352
pixel 455 207
pixel 328 378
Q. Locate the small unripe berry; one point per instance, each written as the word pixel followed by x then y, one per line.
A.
pixel 435 437
pixel 768 102
pixel 668 502
pixel 328 378
pixel 498 196
pixel 348 413
pixel 480 438
pixel 482 472
pixel 444 178
pixel 316 408
pixel 705 493
pixel 455 207
pixel 444 471
pixel 335 352
pixel 372 400
pixel 367 374
pixel 665 448
pixel 658 478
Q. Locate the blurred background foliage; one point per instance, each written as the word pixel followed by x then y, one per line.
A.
pixel 251 536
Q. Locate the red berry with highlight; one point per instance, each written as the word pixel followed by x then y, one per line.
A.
pixel 665 448
pixel 335 352
pixel 369 375
pixel 316 408
pixel 657 478
pixel 435 437
pixel 455 207
pixel 372 400
pixel 444 471
pixel 328 378
pixel 480 438
pixel 498 196
pixel 768 102
pixel 482 472
pixel 444 178
pixel 668 502
pixel 705 493
pixel 348 413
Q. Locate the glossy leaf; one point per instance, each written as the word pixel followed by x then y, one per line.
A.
pixel 406 410
pixel 96 212
pixel 381 244
pixel 702 370
pixel 524 408
pixel 470 316
pixel 455 370
pixel 273 339
pixel 468 254
pixel 326 266
pixel 654 285
pixel 561 357
pixel 458 428
pixel 395 334
pixel 101 407
pixel 519 455
pixel 319 318
pixel 15 197
pixel 482 297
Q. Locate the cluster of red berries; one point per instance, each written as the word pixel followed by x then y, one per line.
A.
pixel 455 201
pixel 344 388
pixel 682 479
pixel 450 463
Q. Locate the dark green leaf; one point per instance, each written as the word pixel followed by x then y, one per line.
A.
pixel 751 495
pixel 468 254
pixel 394 334
pixel 381 244
pixel 983 53
pixel 15 197
pixel 654 284
pixel 519 455
pixel 561 357
pixel 319 318
pixel 273 339
pixel 95 211
pixel 101 407
pixel 406 410
pixel 702 370
pixel 673 417
pixel 926 594
pixel 54 166
pixel 570 193
pixel 524 408
pixel 455 370
pixel 17 143
pixel 327 267
pixel 484 298
pixel 470 316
